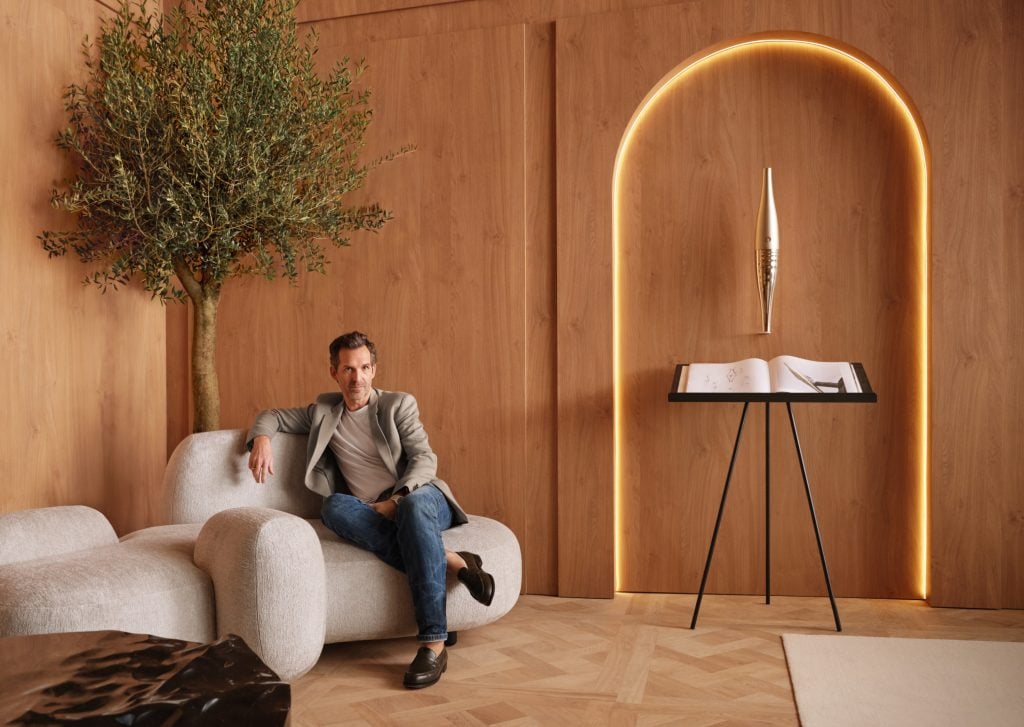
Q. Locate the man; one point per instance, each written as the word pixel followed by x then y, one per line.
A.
pixel 369 457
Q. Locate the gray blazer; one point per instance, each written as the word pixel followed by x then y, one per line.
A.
pixel 400 438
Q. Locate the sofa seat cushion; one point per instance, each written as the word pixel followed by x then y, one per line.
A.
pixel 146 583
pixel 368 599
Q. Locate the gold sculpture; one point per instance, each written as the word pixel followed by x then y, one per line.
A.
pixel 767 249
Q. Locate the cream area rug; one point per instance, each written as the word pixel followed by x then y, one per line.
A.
pixel 861 680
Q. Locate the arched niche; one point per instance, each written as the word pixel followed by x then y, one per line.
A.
pixel 850 162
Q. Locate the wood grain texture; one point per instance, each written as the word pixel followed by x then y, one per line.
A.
pixel 83 384
pixel 1013 112
pixel 541 545
pixel 971 373
pixel 97 445
pixel 957 65
pixel 586 557
pixel 958 102
pixel 623 661
pixel 429 17
pixel 441 290
pixel 178 322
pixel 845 174
pixel 309 11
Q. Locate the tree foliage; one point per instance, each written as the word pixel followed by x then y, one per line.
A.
pixel 209 147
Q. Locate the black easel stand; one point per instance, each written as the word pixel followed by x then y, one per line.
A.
pixel 767 512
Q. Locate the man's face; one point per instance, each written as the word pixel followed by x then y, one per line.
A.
pixel 354 374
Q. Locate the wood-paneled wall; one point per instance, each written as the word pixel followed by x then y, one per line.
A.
pixel 971 341
pixel 490 294
pixel 1009 507
pixel 83 379
pixel 454 246
pixel 846 181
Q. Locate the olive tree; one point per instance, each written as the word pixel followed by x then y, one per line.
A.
pixel 206 146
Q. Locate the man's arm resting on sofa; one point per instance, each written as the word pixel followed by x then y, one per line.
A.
pixel 268 423
pixel 261 458
pixel 297 420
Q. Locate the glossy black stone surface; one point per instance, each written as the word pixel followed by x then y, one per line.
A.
pixel 115 678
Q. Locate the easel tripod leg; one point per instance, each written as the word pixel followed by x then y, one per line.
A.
pixel 814 517
pixel 767 503
pixel 718 520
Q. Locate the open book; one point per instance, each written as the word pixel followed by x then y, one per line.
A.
pixel 782 373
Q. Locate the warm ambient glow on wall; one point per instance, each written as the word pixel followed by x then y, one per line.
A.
pixel 839 53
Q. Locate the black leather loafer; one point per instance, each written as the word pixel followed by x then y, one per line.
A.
pixel 479 582
pixel 426 668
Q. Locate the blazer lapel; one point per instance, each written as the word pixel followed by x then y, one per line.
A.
pixel 378 436
pixel 325 428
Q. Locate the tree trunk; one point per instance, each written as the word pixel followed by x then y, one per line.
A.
pixel 205 387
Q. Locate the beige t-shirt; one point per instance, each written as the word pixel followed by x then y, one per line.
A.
pixel 357 456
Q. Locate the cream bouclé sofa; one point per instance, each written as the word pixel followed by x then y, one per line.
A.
pixel 64 569
pixel 239 557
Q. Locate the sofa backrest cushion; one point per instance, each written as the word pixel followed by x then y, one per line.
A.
pixel 209 472
pixel 31 534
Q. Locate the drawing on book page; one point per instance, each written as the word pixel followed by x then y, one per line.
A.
pixel 819 386
pixel 728 378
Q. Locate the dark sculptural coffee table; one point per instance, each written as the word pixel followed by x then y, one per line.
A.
pixel 116 678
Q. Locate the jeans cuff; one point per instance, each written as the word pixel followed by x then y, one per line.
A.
pixel 443 636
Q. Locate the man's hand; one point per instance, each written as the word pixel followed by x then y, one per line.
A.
pixel 388 508
pixel 261 459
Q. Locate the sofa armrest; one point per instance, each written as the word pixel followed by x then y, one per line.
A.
pixel 267 569
pixel 46 531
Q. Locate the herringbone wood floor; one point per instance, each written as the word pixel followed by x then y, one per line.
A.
pixel 631 660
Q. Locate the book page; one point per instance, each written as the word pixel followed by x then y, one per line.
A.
pixel 798 375
pixel 739 377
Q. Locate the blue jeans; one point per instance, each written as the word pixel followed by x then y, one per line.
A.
pixel 411 543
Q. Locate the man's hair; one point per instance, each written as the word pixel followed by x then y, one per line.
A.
pixel 352 340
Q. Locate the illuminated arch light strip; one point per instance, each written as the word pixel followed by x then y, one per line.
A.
pixel 892 89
